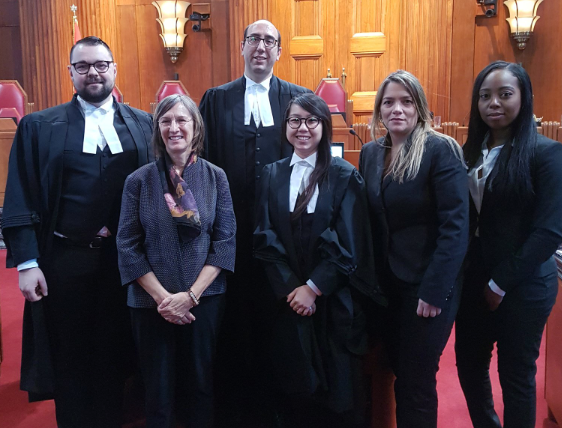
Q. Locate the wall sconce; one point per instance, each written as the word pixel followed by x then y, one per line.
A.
pixel 522 19
pixel 172 23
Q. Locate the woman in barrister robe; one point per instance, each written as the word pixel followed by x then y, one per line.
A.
pixel 312 237
pixel 510 286
pixel 418 202
pixel 176 241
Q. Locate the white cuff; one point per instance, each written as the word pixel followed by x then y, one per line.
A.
pixel 494 287
pixel 28 265
pixel 314 288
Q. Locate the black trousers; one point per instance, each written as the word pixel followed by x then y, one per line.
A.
pixel 89 332
pixel 244 377
pixel 177 364
pixel 415 346
pixel 516 327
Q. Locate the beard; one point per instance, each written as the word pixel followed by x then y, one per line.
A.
pixel 95 95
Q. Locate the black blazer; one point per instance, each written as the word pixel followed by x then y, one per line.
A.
pixel 340 253
pixel 519 239
pixel 420 227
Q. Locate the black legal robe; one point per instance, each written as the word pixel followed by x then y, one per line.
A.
pixel 313 355
pixel 229 146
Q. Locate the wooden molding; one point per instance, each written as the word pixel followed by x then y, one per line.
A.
pixel 306 46
pixel 363 102
pixel 368 44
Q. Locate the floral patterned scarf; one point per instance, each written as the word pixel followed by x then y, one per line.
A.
pixel 179 198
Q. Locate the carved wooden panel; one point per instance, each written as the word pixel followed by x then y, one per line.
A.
pixel 307 54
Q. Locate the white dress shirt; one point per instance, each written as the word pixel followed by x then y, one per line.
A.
pixel 477 177
pixel 99 130
pixel 302 168
pixel 256 103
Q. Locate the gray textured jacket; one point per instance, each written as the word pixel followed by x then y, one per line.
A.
pixel 148 240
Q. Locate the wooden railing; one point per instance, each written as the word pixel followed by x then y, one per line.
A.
pixel 552 130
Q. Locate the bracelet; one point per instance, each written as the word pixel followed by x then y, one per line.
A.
pixel 192 295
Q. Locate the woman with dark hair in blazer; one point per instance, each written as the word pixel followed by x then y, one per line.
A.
pixel 176 240
pixel 312 238
pixel 515 181
pixel 418 201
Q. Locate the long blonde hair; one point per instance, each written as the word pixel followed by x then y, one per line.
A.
pixel 407 163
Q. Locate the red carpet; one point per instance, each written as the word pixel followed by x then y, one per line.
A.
pixel 16 412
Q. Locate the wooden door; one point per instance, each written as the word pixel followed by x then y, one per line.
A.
pixel 370 39
pixel 307 39
pixel 330 35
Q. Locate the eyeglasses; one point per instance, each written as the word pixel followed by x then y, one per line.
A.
pixel 84 67
pixel 268 42
pixel 311 122
pixel 166 123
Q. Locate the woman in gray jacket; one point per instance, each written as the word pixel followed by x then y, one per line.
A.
pixel 176 239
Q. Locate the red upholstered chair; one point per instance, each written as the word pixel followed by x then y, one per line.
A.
pixel 10 112
pixel 13 100
pixel 168 87
pixel 331 90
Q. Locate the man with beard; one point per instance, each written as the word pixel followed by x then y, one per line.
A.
pixel 66 173
pixel 242 135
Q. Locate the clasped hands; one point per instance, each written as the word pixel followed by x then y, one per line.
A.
pixel 175 308
pixel 301 300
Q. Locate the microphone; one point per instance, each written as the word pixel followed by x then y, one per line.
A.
pixel 352 132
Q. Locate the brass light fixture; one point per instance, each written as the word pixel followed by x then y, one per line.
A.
pixel 172 21
pixel 522 19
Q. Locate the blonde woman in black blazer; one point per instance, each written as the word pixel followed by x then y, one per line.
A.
pixel 418 202
pixel 510 286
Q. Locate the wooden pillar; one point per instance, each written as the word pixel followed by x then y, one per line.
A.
pixel 46 33
pixel 243 13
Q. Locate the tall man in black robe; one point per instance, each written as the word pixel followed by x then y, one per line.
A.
pixel 242 135
pixel 66 173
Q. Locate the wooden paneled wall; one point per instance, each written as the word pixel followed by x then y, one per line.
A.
pixel 46 39
pixel 242 14
pixel 367 40
pixel 144 64
pixel 442 42
pixel 131 30
pixel 10 47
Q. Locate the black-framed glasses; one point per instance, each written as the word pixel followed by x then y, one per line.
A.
pixel 311 122
pixel 268 42
pixel 83 67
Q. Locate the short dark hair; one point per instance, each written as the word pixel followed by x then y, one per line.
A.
pixel 278 34
pixel 91 41
pixel 514 177
pixel 198 126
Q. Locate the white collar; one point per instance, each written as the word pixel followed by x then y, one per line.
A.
pixel 87 107
pixel 99 130
pixel 266 83
pixel 311 160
